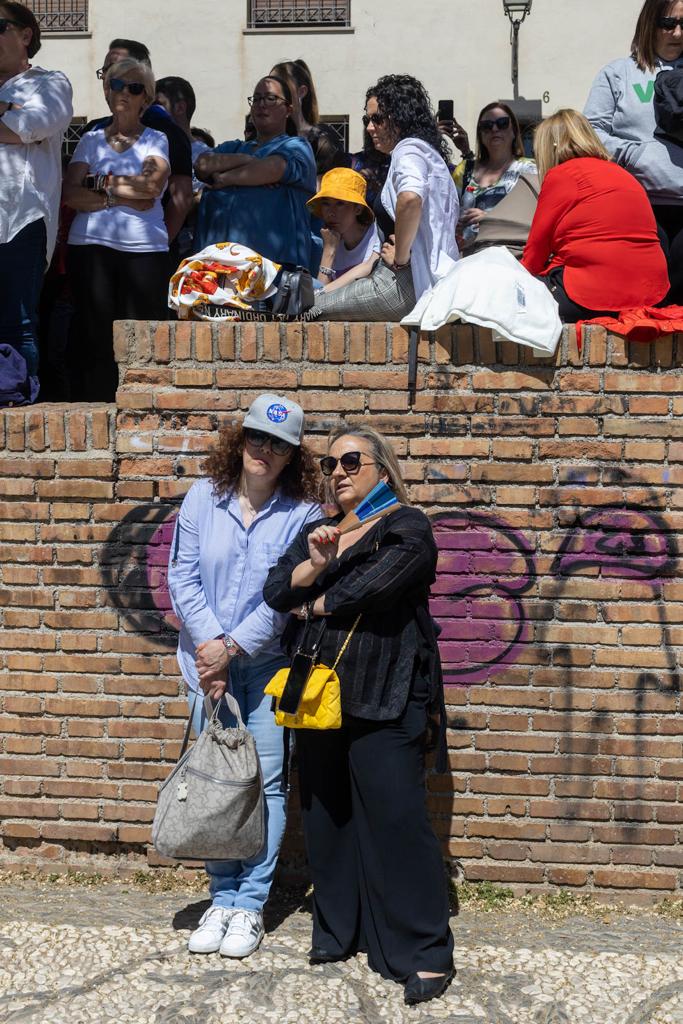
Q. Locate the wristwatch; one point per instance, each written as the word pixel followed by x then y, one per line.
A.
pixel 230 645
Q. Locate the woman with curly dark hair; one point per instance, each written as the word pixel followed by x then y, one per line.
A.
pixel 233 525
pixel 416 211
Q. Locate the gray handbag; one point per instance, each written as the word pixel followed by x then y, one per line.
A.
pixel 211 805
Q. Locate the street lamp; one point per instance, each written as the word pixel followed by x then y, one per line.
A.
pixel 516 11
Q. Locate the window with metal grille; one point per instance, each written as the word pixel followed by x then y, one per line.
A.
pixel 340 123
pixel 61 15
pixel 298 13
pixel 72 135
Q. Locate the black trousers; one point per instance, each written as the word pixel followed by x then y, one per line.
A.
pixel 110 285
pixel 378 875
pixel 570 312
pixel 670 223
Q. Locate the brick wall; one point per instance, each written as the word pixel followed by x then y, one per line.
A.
pixel 555 487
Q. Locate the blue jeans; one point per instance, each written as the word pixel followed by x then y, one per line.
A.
pixel 22 268
pixel 246 884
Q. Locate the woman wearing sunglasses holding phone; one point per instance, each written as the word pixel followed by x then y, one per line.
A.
pixel 379 884
pixel 487 177
pixel 35 110
pixel 620 108
pixel 118 243
pixel 232 527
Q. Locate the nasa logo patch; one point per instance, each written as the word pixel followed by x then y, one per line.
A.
pixel 277 413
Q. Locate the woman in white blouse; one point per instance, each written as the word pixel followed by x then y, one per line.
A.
pixel 118 243
pixel 416 212
pixel 35 110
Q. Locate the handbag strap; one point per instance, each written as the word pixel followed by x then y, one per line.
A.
pixel 211 715
pixel 233 708
pixel 532 185
pixel 346 642
pixel 188 727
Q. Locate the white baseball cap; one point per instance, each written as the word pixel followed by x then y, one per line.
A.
pixel 278 416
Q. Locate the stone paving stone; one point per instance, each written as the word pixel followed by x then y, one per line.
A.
pixel 111 954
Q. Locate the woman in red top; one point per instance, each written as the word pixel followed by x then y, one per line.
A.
pixel 594 237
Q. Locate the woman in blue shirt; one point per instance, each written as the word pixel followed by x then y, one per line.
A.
pixel 257 191
pixel 232 527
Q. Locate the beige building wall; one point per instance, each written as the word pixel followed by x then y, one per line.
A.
pixel 460 49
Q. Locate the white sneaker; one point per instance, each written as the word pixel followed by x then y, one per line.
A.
pixel 208 935
pixel 244 933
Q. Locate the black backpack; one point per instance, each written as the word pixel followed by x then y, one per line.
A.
pixel 16 387
pixel 668 104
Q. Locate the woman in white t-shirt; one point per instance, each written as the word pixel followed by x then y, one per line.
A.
pixel 118 243
pixel 351 243
pixel 416 212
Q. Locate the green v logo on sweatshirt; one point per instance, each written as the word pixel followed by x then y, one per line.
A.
pixel 644 95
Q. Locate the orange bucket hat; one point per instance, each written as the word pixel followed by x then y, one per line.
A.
pixel 344 184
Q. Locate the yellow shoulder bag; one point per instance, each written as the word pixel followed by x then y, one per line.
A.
pixel 309 693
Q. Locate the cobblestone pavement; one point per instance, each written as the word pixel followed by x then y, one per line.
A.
pixel 74 955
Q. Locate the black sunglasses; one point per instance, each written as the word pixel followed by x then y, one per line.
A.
pixel 4 22
pixel 101 72
pixel 670 23
pixel 259 439
pixel 134 88
pixel 499 122
pixel 350 462
pixel 373 119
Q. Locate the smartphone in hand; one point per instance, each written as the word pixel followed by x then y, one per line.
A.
pixel 445 110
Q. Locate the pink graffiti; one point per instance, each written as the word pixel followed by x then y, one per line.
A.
pixel 483 570
pixel 156 570
pixel 624 543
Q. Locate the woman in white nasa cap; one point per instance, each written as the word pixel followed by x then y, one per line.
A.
pixel 260 489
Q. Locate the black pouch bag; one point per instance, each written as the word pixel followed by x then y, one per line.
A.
pixel 302 665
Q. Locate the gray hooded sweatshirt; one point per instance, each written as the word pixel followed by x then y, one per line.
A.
pixel 620 108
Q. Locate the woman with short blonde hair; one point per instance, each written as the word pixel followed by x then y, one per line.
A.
pixel 142 72
pixel 593 239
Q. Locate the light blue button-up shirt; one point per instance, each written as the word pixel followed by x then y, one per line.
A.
pixel 217 569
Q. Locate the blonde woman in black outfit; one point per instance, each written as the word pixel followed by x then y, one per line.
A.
pixel 379 883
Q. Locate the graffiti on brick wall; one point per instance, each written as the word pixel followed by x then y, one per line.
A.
pixel 486 587
pixel 488 572
pixel 629 543
pixel 485 567
pixel 134 565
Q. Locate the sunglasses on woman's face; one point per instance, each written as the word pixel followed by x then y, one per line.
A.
pixel 134 88
pixel 375 119
pixel 669 24
pixel 5 23
pixel 501 123
pixel 350 462
pixel 259 439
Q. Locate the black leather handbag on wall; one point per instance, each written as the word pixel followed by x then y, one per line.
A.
pixel 294 293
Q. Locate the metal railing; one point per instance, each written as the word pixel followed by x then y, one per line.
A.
pixel 340 124
pixel 61 15
pixel 72 135
pixel 298 13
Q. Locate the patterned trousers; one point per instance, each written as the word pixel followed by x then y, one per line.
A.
pixel 384 295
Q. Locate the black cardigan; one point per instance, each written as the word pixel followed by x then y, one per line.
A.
pixel 385 576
